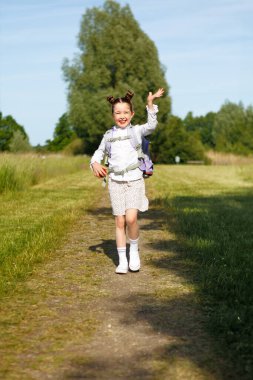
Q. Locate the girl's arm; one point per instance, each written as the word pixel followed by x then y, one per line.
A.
pixel 152 109
pixel 151 97
pixel 98 169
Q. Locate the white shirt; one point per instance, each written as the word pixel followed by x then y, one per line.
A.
pixel 123 153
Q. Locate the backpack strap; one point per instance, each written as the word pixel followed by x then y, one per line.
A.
pixel 126 170
pixel 142 148
pixel 113 139
pixel 136 143
pixel 108 135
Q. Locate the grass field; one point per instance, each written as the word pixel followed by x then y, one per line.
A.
pixel 41 198
pixel 19 172
pixel 210 210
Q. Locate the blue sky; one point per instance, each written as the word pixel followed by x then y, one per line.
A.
pixel 205 45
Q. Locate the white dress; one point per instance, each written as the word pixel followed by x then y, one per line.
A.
pixel 127 191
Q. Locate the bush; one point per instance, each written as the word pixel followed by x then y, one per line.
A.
pixel 19 143
pixel 74 147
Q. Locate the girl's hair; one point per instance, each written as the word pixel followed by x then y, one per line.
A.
pixel 125 99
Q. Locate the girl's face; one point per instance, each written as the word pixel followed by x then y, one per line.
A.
pixel 122 114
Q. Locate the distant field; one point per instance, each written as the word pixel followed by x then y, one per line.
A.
pixel 210 211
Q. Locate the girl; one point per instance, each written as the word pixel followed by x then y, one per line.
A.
pixel 126 183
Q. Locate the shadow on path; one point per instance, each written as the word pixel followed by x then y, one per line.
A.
pixel 106 247
pixel 211 248
pixel 154 324
pixel 157 327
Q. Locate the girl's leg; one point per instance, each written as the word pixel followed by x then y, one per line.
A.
pixel 132 223
pixel 133 235
pixel 120 222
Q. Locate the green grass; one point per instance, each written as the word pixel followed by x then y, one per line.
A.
pixel 34 226
pixel 207 208
pixel 210 211
pixel 20 171
pixel 33 222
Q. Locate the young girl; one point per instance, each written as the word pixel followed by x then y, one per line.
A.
pixel 126 183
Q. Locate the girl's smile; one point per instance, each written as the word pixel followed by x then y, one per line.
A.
pixel 122 114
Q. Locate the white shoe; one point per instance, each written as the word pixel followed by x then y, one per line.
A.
pixel 134 262
pixel 122 268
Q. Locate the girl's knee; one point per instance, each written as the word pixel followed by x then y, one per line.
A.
pixel 131 219
pixel 120 221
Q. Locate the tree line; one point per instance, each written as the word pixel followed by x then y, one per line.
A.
pixel 228 130
pixel 116 55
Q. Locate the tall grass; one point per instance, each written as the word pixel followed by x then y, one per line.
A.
pixel 10 179
pixel 210 211
pixel 33 222
pixel 219 158
pixel 19 172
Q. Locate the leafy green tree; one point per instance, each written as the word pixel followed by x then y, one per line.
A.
pixel 63 135
pixel 233 129
pixel 203 125
pixel 8 126
pixel 247 138
pixel 116 55
pixel 174 140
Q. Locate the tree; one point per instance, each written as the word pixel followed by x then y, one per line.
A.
pixel 116 55
pixel 174 141
pixel 248 135
pixel 8 126
pixel 203 125
pixel 63 135
pixel 233 129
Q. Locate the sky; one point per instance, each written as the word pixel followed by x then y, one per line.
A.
pixel 205 45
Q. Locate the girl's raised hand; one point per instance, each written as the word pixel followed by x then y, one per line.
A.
pixel 157 94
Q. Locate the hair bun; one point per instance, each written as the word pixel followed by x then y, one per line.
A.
pixel 129 95
pixel 111 99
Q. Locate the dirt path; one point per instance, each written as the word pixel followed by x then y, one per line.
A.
pixel 82 321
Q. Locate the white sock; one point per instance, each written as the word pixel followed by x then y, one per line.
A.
pixel 122 255
pixel 123 264
pixel 134 262
pixel 133 245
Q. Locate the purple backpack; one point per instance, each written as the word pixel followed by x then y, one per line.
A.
pixel 146 164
